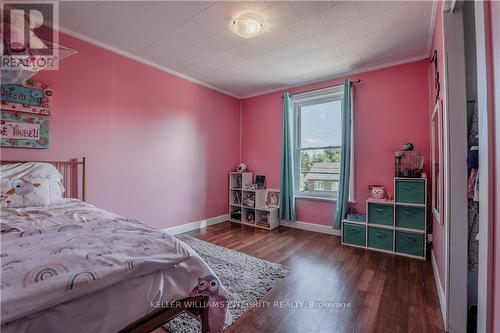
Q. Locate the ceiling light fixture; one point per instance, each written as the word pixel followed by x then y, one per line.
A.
pixel 248 25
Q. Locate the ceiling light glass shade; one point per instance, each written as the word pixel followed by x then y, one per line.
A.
pixel 248 25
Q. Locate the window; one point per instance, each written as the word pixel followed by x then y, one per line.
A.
pixel 319 185
pixel 318 116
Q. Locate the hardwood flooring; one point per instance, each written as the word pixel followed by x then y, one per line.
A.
pixel 352 289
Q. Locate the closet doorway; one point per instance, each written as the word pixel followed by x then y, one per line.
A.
pixel 467 153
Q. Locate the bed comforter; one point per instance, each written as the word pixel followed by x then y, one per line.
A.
pixel 55 255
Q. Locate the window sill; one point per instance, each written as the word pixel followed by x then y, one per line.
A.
pixel 318 198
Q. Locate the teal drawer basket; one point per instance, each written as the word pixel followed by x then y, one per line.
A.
pixel 410 191
pixel 410 217
pixel 380 214
pixel 354 234
pixel 410 243
pixel 379 238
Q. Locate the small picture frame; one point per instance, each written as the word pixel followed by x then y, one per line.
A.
pixel 250 187
pixel 260 180
pixel 273 198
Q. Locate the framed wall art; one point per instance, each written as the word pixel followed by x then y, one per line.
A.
pixel 20 130
pixel 273 198
pixel 30 97
pixel 260 180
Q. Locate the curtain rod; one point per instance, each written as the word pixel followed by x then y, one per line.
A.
pixel 302 92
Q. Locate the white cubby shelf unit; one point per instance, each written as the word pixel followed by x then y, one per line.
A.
pixel 248 206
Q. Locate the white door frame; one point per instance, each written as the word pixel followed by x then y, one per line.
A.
pixel 455 180
pixel 486 146
pixel 456 259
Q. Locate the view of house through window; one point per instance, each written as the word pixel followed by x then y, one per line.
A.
pixel 319 140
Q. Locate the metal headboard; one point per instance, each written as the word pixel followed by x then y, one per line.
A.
pixel 73 172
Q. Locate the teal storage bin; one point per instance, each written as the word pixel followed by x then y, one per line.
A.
pixel 354 234
pixel 410 191
pixel 380 214
pixel 410 217
pixel 410 243
pixel 379 238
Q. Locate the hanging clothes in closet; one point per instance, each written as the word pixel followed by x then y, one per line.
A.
pixel 473 191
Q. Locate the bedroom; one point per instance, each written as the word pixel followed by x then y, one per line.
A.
pixel 149 108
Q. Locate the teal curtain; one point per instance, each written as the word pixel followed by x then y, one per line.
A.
pixel 287 187
pixel 345 158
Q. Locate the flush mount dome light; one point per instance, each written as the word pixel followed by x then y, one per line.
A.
pixel 248 25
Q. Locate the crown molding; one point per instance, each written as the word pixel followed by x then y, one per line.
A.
pixel 342 75
pixel 140 60
pixel 432 26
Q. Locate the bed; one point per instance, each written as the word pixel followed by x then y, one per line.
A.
pixel 68 266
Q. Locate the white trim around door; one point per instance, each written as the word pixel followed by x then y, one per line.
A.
pixel 486 147
pixel 455 179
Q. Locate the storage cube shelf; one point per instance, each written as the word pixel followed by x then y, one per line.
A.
pixel 398 226
pixel 410 190
pixel 380 238
pixel 248 206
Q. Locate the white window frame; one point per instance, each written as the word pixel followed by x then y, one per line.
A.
pixel 319 96
pixel 319 188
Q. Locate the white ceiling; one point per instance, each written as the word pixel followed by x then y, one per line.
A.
pixel 304 41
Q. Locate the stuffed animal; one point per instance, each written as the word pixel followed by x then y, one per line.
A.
pixel 22 187
pixel 209 286
pixel 377 192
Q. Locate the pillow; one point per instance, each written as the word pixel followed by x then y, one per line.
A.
pixel 25 192
pixel 36 170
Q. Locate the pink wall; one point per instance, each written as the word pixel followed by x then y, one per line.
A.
pixel 391 108
pixel 494 7
pixel 438 229
pixel 158 147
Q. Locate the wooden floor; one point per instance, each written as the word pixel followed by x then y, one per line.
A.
pixel 369 291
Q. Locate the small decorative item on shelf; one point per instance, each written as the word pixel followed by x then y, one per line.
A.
pixel 273 198
pixel 390 197
pixel 356 217
pixel 408 146
pixel 242 167
pixel 237 198
pixel 238 181
pixel 262 224
pixel 264 218
pixel 251 187
pixel 261 182
pixel 249 200
pixel 377 191
pixel 408 162
pixel 236 215
pixel 250 216
pixel 398 155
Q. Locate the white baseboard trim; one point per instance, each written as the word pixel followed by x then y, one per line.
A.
pixel 439 287
pixel 179 229
pixel 324 229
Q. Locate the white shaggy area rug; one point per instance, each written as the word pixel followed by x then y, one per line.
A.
pixel 246 278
